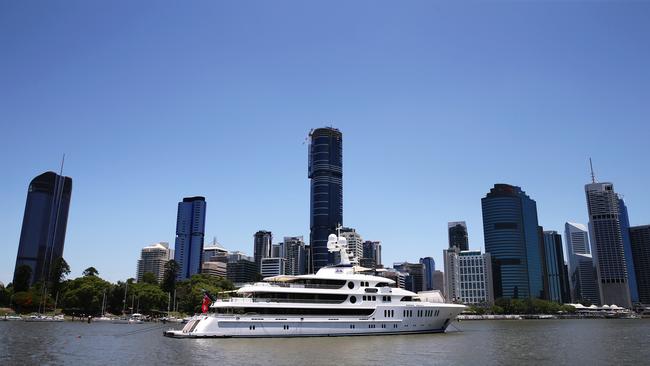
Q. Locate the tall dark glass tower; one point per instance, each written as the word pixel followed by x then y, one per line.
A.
pixel 640 243
pixel 190 231
pixel 556 273
pixel 458 235
pixel 262 242
pixel 44 224
pixel 512 239
pixel 326 204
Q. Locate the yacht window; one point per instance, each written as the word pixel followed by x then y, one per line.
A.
pixel 353 299
pixel 350 285
pixel 382 284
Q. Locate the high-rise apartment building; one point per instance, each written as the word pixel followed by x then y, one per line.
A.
pixel 152 260
pixel 468 277
pixel 293 249
pixel 458 237
pixel 355 242
pixel 429 270
pixel 262 246
pixel 582 273
pixel 640 243
pixel 371 254
pixel 512 238
pixel 326 193
pixel 42 236
pixel 190 232
pixel 607 244
pixel 557 277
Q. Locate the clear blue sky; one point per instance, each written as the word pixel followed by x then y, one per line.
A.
pixel 153 101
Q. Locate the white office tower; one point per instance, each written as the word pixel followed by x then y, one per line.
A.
pixel 153 259
pixel 468 277
pixel 355 242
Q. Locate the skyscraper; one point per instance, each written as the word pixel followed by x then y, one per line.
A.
pixel 262 246
pixel 468 277
pixel 371 254
pixel 429 270
pixel 355 242
pixel 44 224
pixel 556 275
pixel 512 239
pixel 152 260
pixel 640 240
pixel 607 244
pixel 190 231
pixel 627 249
pixel 294 253
pixel 458 235
pixel 326 193
pixel 582 273
pixel 415 281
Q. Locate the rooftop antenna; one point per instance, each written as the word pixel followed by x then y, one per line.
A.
pixel 593 176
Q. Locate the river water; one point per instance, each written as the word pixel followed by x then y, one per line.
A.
pixel 513 342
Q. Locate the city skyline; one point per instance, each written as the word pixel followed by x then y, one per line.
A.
pixel 536 103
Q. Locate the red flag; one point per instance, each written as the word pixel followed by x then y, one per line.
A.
pixel 206 303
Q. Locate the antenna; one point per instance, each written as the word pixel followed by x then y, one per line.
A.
pixel 62 162
pixel 593 176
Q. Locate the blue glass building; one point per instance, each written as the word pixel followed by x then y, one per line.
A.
pixel 429 270
pixel 556 273
pixel 42 236
pixel 190 231
pixel 511 237
pixel 627 248
pixel 326 194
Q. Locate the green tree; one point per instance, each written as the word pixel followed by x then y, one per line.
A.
pixel 497 310
pixel 90 271
pixel 149 298
pixel 23 276
pixel 518 306
pixel 190 292
pixel 568 309
pixel 85 295
pixel 149 278
pixel 60 269
pixel 169 279
pixel 5 295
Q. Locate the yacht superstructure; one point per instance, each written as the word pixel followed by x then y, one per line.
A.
pixel 337 301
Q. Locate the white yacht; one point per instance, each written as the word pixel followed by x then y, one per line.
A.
pixel 336 301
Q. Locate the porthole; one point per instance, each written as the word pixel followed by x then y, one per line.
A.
pixel 350 285
pixel 353 299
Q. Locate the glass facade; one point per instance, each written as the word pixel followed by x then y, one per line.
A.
pixel 640 243
pixel 627 248
pixel 262 247
pixel 511 237
pixel 458 237
pixel 607 244
pixel 556 273
pixel 325 170
pixel 429 270
pixel 190 231
pixel 42 236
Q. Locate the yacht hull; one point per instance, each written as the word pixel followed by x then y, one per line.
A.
pixel 210 326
